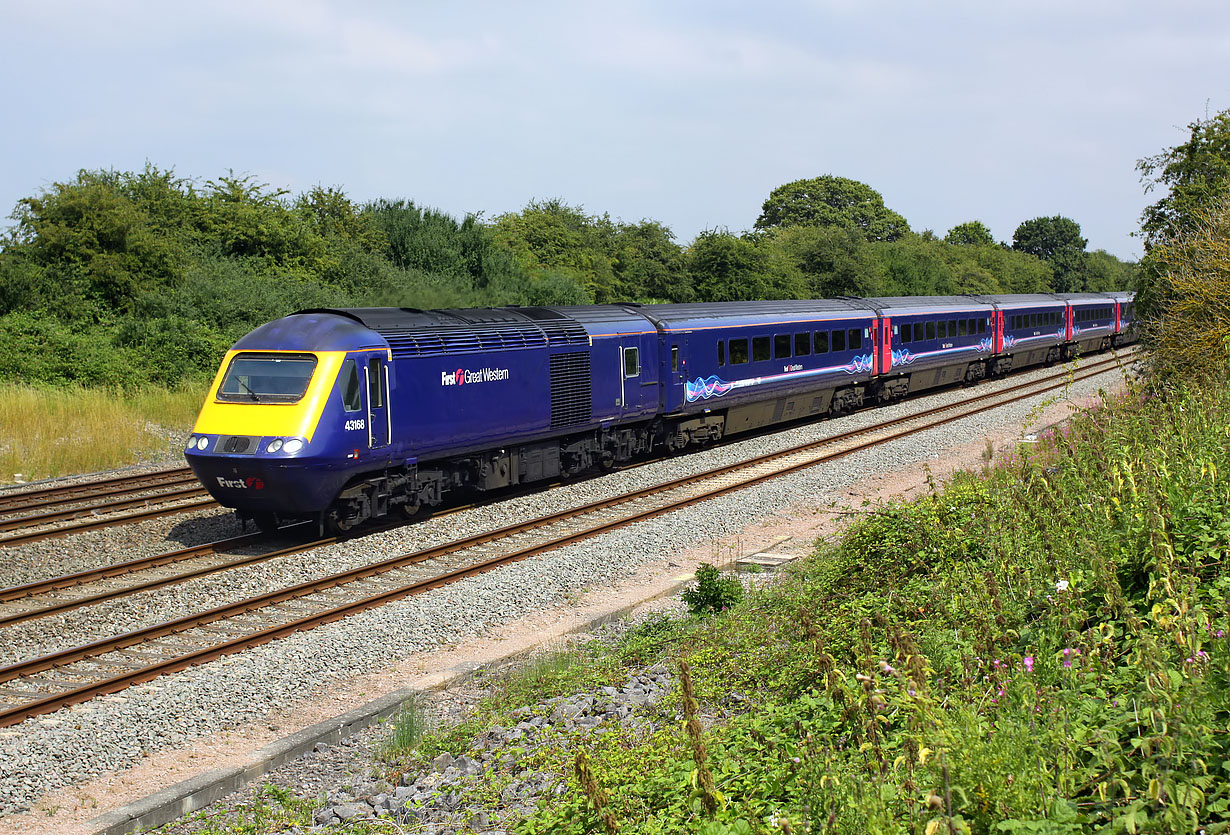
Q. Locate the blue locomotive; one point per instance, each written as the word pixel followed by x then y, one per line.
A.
pixel 341 416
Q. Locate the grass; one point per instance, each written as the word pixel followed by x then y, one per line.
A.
pixel 47 432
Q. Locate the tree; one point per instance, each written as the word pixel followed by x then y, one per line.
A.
pixel 550 235
pixel 832 201
pixel 1190 328
pixel 726 267
pixel 970 233
pixel 649 264
pixel 831 261
pixel 1195 173
pixel 1057 241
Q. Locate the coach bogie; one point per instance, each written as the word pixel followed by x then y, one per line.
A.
pixel 846 400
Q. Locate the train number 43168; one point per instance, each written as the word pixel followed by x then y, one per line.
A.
pixel 356 424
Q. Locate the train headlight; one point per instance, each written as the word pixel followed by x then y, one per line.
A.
pixel 274 445
pixel 202 442
pixel 293 445
pixel 191 442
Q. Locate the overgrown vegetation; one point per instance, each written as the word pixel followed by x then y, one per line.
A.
pixel 125 278
pixel 1040 649
pixel 50 431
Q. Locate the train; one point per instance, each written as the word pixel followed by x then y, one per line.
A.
pixel 342 416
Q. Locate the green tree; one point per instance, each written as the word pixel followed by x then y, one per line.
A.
pixel 1057 241
pixel 464 252
pixel 86 246
pixel 726 267
pixel 649 265
pixel 551 236
pixel 1194 174
pixel 970 233
pixel 832 201
pixel 828 260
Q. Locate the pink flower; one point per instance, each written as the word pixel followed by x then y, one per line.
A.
pixel 1068 653
pixel 1029 663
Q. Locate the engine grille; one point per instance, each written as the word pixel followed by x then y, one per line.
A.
pixel 571 398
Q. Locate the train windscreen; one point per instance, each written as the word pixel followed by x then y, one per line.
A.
pixel 267 378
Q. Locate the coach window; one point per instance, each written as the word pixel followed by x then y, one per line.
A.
pixel 839 340
pixel 352 392
pixel 941 330
pixel 781 346
pixel 856 339
pixel 918 332
pixel 738 351
pixel 904 332
pixel 822 342
pixel 802 344
pixel 632 362
pixel 982 326
pixel 760 349
pixel 721 353
pixel 931 330
pixel 674 358
pixel 375 385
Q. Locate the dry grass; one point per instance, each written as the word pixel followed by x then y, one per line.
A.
pixel 46 432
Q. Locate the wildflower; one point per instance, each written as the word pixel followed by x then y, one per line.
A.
pixel 1068 653
pixel 1029 663
pixel 1062 585
pixel 886 668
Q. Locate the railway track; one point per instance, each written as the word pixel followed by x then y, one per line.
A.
pixel 76 674
pixel 103 501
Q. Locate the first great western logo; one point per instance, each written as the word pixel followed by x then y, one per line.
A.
pixel 465 376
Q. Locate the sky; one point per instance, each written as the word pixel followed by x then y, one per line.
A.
pixel 687 113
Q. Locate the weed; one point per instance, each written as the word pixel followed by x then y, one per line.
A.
pixel 713 592
pixel 410 725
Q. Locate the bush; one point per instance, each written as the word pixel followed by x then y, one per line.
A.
pixel 713 592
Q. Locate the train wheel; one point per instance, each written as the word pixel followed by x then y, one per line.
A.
pixel 267 522
pixel 334 524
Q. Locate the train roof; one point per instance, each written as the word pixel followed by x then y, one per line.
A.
pixel 1018 300
pixel 311 330
pixel 733 314
pixel 910 305
pixel 411 332
pixel 1089 298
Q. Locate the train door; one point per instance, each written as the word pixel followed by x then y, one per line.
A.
pixel 886 345
pixel 629 378
pixel 639 375
pixel 376 379
pixel 677 360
